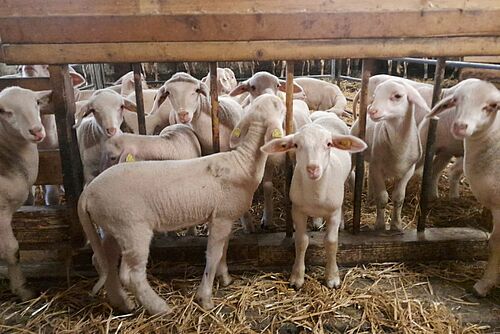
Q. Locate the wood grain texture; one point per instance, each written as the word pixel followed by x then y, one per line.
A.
pixel 49 168
pixel 236 51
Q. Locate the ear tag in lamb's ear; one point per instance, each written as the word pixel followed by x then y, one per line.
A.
pixel 236 132
pixel 130 158
pixel 345 144
pixel 277 133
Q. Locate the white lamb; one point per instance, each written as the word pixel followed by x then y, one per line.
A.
pixel 216 189
pixel 226 81
pixel 175 142
pixel 477 122
pixel 21 130
pixel 323 165
pixel 107 108
pixel 394 145
pixel 323 95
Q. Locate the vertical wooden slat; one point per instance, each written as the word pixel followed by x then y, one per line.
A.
pixel 139 98
pixel 214 101
pixel 290 65
pixel 64 106
pixel 430 148
pixel 368 66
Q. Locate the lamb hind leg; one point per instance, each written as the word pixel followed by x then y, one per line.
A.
pixel 491 274
pixel 9 251
pixel 219 230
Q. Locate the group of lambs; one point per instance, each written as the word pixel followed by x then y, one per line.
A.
pixel 176 182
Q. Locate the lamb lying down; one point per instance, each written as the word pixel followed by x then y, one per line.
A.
pixel 215 189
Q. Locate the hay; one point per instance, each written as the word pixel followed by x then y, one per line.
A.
pixel 390 297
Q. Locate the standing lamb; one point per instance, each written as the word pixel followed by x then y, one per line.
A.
pixel 107 108
pixel 323 95
pixel 394 145
pixel 216 189
pixel 477 122
pixel 21 130
pixel 323 165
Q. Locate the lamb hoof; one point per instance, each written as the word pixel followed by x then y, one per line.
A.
pixel 225 280
pixel 24 293
pixel 482 288
pixel 333 283
pixel 159 308
pixel 296 283
pixel 206 303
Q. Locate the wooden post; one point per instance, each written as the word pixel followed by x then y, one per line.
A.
pixel 367 69
pixel 63 99
pixel 288 162
pixel 430 148
pixel 214 101
pixel 139 98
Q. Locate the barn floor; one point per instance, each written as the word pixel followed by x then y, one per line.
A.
pixel 388 297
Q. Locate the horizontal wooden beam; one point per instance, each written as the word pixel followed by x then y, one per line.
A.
pixel 41 227
pixel 172 255
pixel 49 167
pixel 236 51
pixel 36 84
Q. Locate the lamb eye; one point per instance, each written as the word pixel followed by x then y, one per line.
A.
pixel 397 96
pixel 329 144
pixel 295 145
pixel 198 91
pixel 113 158
pixel 252 87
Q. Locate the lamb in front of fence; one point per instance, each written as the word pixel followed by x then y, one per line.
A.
pixel 175 142
pixel 394 145
pixel 317 189
pixel 21 130
pixel 477 104
pixel 190 102
pixel 216 189
pixel 323 95
pixel 107 108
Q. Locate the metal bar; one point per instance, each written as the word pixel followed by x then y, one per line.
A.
pixel 430 149
pixel 367 70
pixel 339 71
pixel 139 98
pixel 451 63
pixel 332 70
pixel 288 161
pixel 214 100
pixel 63 99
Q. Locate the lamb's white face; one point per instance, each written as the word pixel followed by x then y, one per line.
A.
pixel 108 109
pixel 390 100
pixel 185 98
pixel 20 109
pixel 477 106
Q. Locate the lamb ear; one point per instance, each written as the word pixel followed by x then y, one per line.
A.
pixel 240 89
pixel 296 87
pixel 83 108
pixel 348 143
pixel 44 98
pixel 77 79
pixel 203 89
pixel 160 97
pixel 279 145
pixel 444 104
pixel 129 105
pixel 414 97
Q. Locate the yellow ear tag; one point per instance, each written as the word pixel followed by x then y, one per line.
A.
pixel 345 143
pixel 130 158
pixel 236 132
pixel 277 133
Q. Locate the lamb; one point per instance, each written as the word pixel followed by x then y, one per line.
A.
pixel 216 189
pixel 394 145
pixel 158 116
pixel 226 81
pixel 191 105
pixel 323 95
pixel 175 142
pixel 317 189
pixel 107 108
pixel 477 122
pixel 21 129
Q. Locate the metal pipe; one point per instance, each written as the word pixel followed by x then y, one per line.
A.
pixel 141 119
pixel 288 162
pixel 214 102
pixel 332 70
pixel 451 63
pixel 430 149
pixel 367 70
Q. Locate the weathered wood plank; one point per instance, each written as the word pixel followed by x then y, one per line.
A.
pixel 41 227
pixel 49 167
pixel 36 84
pixel 236 51
pixel 171 255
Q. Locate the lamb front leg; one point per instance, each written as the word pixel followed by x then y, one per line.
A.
pixel 301 243
pixel 398 198
pixel 381 195
pixel 219 230
pixel 491 274
pixel 267 183
pixel 332 277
